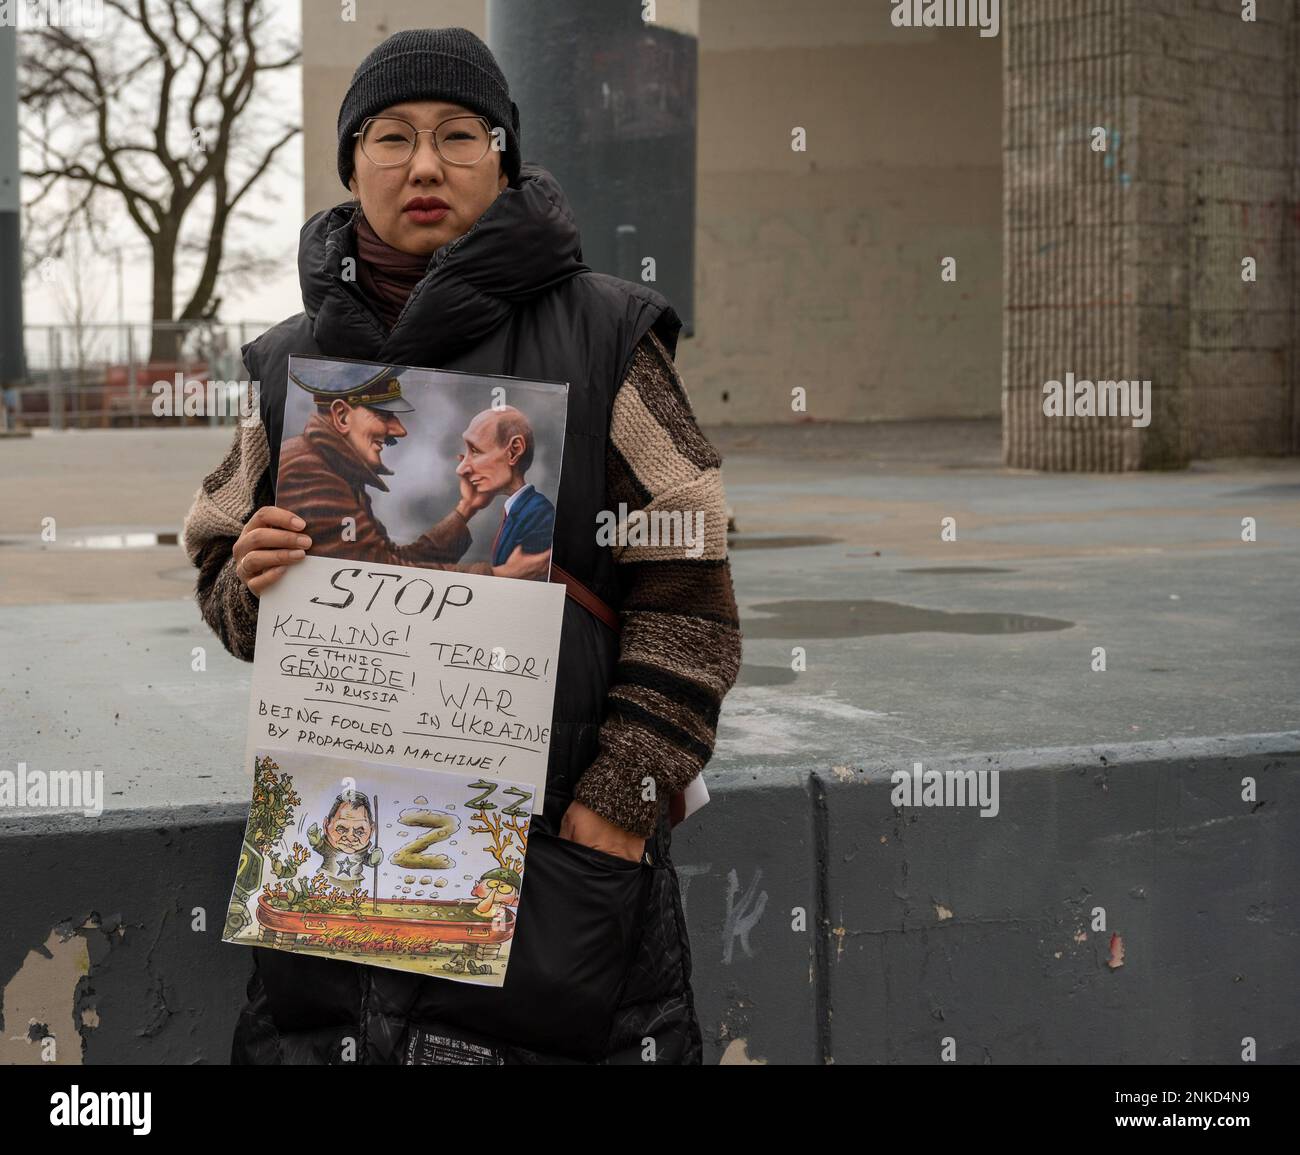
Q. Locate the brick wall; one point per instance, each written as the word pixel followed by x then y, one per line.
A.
pixel 1127 263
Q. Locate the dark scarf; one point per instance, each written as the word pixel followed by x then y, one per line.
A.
pixel 386 275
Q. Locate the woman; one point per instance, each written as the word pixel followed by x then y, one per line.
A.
pixel 469 259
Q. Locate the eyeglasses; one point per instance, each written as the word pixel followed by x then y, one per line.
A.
pixel 390 140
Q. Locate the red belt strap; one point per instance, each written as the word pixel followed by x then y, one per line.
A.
pixel 585 598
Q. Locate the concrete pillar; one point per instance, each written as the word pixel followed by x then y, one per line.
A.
pixel 1127 263
pixel 1241 175
pixel 608 104
pixel 12 364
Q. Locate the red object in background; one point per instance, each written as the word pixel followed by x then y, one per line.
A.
pixel 115 397
pixel 147 375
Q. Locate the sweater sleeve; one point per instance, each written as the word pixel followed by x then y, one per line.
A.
pixel 680 643
pixel 228 497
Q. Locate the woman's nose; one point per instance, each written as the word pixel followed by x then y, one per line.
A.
pixel 427 160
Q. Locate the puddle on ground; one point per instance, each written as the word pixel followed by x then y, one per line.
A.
pixel 777 541
pixel 1277 489
pixel 97 540
pixel 960 569
pixel 765 675
pixel 119 540
pixel 808 618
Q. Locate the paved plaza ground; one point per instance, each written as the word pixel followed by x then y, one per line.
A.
pixel 915 647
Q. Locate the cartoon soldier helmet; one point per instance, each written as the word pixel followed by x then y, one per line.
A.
pixel 357 383
pixel 500 874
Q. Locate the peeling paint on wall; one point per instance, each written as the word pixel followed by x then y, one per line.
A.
pixel 39 1002
pixel 737 1055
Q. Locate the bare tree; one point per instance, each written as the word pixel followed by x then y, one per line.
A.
pixel 79 297
pixel 159 114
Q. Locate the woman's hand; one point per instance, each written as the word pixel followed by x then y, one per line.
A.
pixel 268 545
pixel 530 566
pixel 583 825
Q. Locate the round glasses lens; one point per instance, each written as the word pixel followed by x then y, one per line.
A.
pixel 388 141
pixel 463 140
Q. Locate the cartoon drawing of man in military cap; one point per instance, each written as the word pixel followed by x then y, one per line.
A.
pixel 327 471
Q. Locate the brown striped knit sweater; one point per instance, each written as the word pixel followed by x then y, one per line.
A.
pixel 680 642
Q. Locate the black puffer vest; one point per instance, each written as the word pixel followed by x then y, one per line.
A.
pixel 511 296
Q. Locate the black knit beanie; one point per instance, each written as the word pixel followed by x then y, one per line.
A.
pixel 450 64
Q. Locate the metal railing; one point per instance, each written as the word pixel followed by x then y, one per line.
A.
pixel 104 375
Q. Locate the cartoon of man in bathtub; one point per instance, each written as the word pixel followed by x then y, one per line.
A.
pixel 344 845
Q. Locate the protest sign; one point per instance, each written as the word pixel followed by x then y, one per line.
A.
pixel 404 678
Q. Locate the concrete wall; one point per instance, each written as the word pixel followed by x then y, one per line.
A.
pixel 819 268
pixel 918 924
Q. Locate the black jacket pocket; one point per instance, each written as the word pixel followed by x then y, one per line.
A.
pixel 306 992
pixel 581 914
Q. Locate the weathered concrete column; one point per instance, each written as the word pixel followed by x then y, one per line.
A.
pixel 1128 263
pixel 608 103
pixel 12 363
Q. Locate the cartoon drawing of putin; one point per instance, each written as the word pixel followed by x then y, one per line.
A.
pixel 498 452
